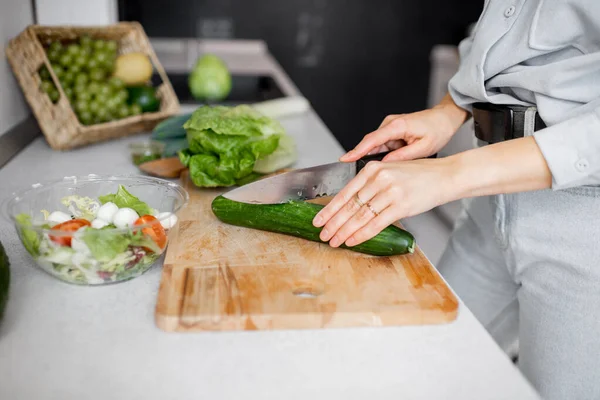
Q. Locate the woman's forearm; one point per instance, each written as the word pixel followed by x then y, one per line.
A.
pixel 456 115
pixel 513 166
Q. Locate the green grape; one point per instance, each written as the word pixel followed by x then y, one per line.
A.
pixel 123 95
pixel 122 111
pixel 78 89
pixel 94 106
pixel 67 78
pixel 93 87
pixel 85 117
pixel 44 74
pixel 92 63
pixel 81 105
pixel 105 89
pixel 113 103
pixel 116 83
pixel 86 41
pixel 73 49
pixel 58 70
pixel 80 60
pixel 55 46
pixel 100 57
pixel 109 65
pixel 69 93
pixel 111 46
pixel 75 69
pixel 84 95
pixel 47 86
pixel 96 74
pixel 99 44
pixel 81 78
pixel 102 114
pixel 54 95
pixel 135 109
pixel 65 60
pixel 54 55
pixel 102 98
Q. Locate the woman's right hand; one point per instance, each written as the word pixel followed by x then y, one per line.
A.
pixel 412 136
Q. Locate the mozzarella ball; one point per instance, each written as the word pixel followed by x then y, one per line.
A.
pixel 167 219
pixel 107 212
pixel 99 223
pixel 59 217
pixel 125 217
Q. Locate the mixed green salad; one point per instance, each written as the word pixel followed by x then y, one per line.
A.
pixel 87 248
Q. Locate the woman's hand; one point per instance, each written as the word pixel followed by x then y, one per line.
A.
pixel 416 135
pixel 382 193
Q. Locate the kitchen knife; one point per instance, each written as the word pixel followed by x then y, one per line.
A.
pixel 302 184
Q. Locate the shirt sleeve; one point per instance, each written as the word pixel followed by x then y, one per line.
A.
pixel 459 85
pixel 572 150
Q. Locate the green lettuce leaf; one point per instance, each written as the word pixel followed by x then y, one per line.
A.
pixel 105 245
pixel 29 237
pixel 239 120
pixel 125 199
pixel 138 239
pixel 225 165
pixel 81 206
pixel 225 143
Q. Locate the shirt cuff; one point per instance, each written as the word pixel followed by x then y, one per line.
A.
pixel 572 151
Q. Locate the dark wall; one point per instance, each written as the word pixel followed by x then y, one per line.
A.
pixel 355 60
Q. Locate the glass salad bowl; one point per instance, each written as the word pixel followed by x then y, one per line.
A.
pixel 95 230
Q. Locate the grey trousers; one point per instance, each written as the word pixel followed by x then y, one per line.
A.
pixel 528 266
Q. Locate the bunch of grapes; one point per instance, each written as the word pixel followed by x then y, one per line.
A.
pixel 84 70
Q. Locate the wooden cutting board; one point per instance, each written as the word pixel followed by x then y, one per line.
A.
pixel 222 277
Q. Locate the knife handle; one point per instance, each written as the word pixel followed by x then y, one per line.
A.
pixel 360 163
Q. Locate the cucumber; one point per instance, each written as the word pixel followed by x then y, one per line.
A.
pixel 295 219
pixel 4 280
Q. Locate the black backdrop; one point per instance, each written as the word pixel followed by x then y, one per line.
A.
pixel 355 60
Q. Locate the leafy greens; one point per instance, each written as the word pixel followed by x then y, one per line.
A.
pixel 225 144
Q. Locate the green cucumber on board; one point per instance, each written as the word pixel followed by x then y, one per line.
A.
pixel 4 280
pixel 295 218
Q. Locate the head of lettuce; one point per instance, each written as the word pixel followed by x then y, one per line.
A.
pixel 233 145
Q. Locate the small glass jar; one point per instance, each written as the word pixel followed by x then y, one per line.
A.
pixel 142 152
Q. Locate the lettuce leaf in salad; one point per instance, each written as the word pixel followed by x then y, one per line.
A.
pixel 125 199
pixel 81 206
pixel 29 237
pixel 105 245
pixel 138 239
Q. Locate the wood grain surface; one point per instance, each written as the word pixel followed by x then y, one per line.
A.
pixel 222 277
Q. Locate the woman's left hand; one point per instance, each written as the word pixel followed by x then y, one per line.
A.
pixel 381 194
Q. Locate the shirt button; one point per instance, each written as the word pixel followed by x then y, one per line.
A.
pixel 509 11
pixel 582 164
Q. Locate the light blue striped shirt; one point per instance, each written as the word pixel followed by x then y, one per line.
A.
pixel 543 53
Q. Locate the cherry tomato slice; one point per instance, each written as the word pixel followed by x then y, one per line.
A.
pixel 68 226
pixel 155 231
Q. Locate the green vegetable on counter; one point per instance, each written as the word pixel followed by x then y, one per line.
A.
pixel 4 280
pixel 225 144
pixel 295 219
pixel 210 79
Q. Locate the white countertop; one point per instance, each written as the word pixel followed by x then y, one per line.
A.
pixel 61 341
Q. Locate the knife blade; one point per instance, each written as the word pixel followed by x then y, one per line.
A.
pixel 302 184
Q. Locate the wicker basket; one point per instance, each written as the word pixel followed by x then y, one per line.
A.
pixel 58 121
